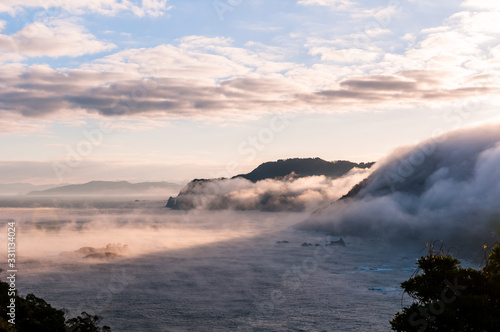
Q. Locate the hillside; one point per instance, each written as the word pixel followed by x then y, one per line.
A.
pixel 22 188
pixel 272 186
pixel 301 168
pixel 445 188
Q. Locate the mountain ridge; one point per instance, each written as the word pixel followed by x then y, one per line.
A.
pixel 301 167
pixel 107 187
pixel 291 169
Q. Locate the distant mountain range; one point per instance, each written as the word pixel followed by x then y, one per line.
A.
pixel 112 188
pixel 220 192
pixel 288 169
pixel 21 188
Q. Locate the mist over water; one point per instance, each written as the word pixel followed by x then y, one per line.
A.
pixel 285 194
pixel 143 267
pixel 445 188
pixel 202 270
pixel 56 227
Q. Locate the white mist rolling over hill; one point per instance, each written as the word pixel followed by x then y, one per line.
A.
pixel 446 188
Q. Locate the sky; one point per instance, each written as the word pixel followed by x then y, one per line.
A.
pixel 170 90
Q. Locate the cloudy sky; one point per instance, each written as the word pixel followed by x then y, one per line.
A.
pixel 171 90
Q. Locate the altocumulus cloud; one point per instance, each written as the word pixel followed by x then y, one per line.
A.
pixel 192 81
pixel 205 77
pixel 53 38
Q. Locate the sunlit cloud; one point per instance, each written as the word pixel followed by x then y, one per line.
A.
pixel 214 77
pixel 353 55
pixel 332 4
pixel 17 126
pixel 55 38
pixel 482 5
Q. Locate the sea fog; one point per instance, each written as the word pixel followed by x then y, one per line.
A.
pixel 202 270
pixel 331 265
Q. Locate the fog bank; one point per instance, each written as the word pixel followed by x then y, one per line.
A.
pixel 446 188
pixel 286 194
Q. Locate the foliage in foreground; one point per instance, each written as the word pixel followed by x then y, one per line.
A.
pixel 450 298
pixel 35 314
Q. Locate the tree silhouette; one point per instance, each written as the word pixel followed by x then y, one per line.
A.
pixel 448 297
pixel 85 323
pixel 34 314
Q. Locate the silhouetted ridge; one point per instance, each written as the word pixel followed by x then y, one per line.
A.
pixel 97 187
pixel 221 193
pixel 298 167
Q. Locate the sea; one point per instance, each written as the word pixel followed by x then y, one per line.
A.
pixel 201 270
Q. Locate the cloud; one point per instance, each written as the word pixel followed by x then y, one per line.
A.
pixel 482 5
pixel 67 226
pixel 206 78
pixel 352 55
pixel 152 8
pixel 441 189
pixel 168 80
pixel 450 55
pixel 380 83
pixel 460 45
pixel 7 57
pixel 210 77
pixel 332 4
pixel 55 38
pixel 18 126
pixel 289 194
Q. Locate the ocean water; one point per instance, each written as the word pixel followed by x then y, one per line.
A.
pixel 205 270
